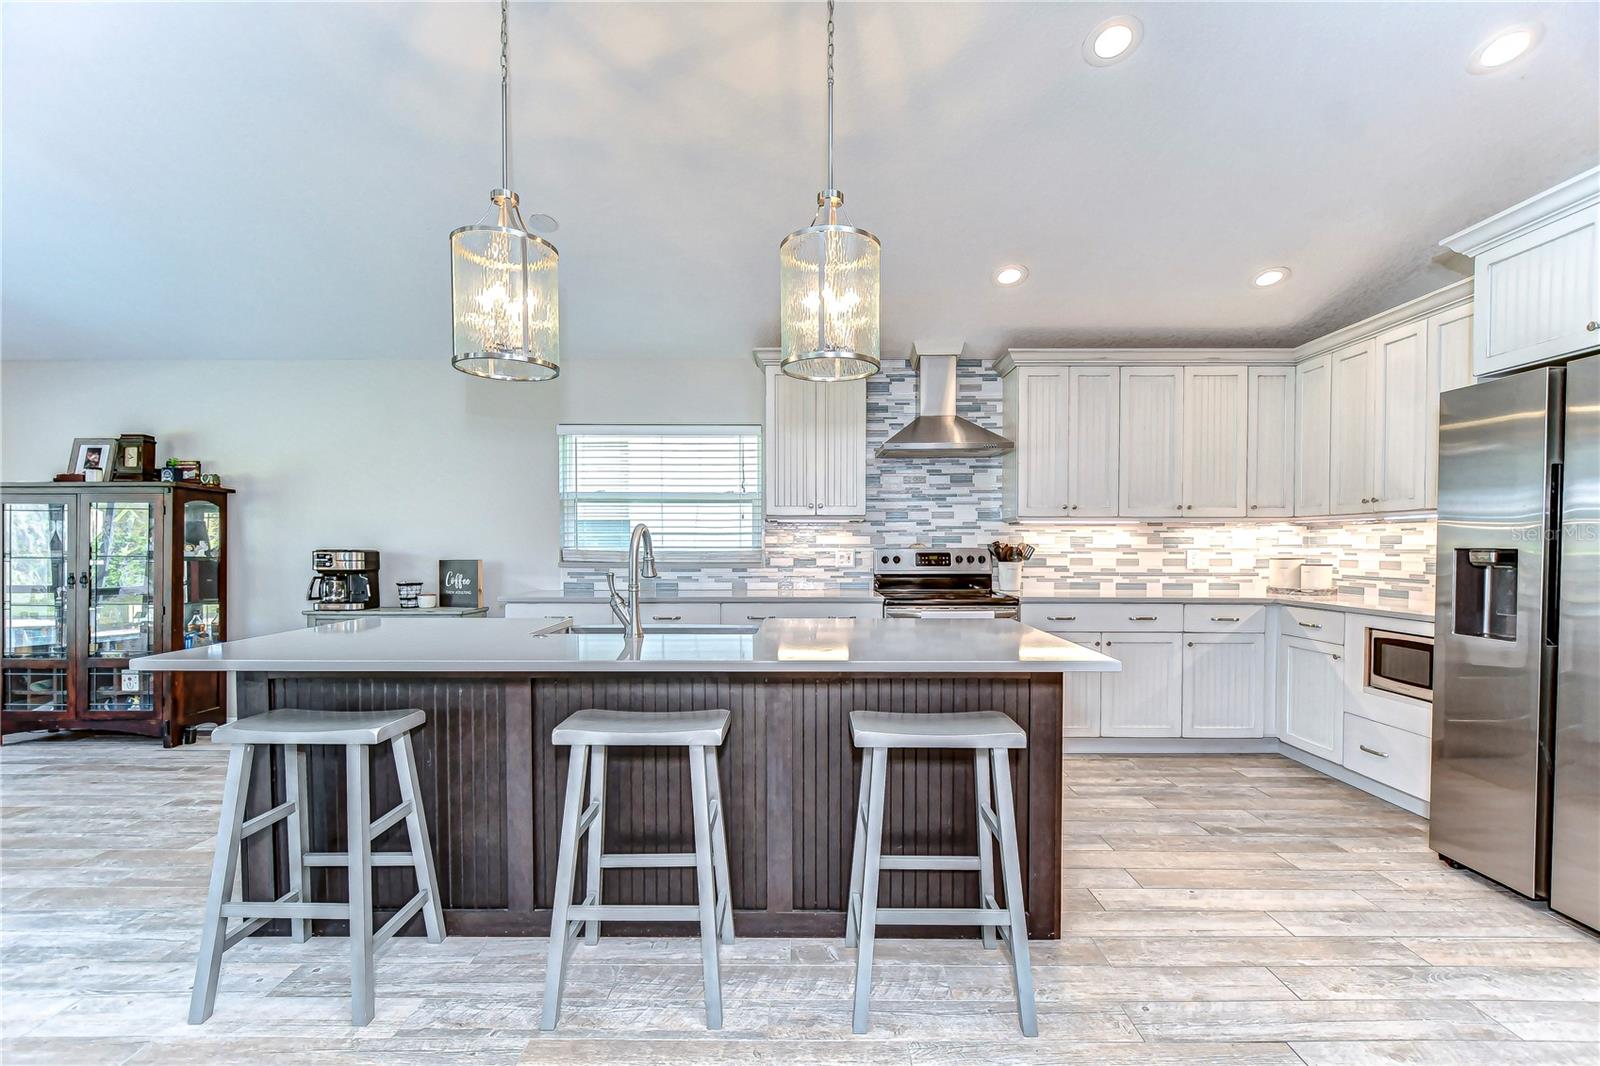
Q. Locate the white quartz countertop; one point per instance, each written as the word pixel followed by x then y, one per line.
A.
pixel 534 645
pixel 1416 607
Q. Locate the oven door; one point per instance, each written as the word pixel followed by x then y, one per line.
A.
pixel 1400 663
pixel 928 610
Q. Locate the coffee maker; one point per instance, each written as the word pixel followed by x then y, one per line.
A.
pixel 347 579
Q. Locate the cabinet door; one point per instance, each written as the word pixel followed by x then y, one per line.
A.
pixel 1092 440
pixel 1042 442
pixel 1145 697
pixel 40 594
pixel 1313 391
pixel 1311 696
pixel 1450 364
pixel 123 542
pixel 791 444
pixel 1269 484
pixel 1222 687
pixel 841 457
pixel 1538 295
pixel 1215 434
pixel 1401 395
pixel 1150 463
pixel 1081 691
pixel 1351 431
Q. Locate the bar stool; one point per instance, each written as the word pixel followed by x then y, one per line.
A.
pixel 589 733
pixel 357 732
pixel 990 735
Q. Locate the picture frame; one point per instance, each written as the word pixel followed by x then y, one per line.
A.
pixel 93 457
pixel 461 583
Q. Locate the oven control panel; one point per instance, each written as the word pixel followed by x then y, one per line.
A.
pixel 917 560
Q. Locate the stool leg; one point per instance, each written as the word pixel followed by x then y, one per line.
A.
pixel 852 920
pixel 358 828
pixel 719 850
pixel 555 965
pixel 596 846
pixel 704 881
pixel 985 844
pixel 869 889
pixel 1010 862
pixel 224 865
pixel 294 778
pixel 405 766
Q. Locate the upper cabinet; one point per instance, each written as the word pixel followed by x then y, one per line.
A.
pixel 1352 443
pixel 1269 467
pixel 1402 386
pixel 1537 277
pixel 1216 427
pixel 1152 441
pixel 1065 422
pixel 815 445
pixel 1313 389
pixel 1093 440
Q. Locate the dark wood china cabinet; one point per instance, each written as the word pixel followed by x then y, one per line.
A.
pixel 96 574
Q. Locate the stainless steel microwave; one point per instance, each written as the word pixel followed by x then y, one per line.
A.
pixel 1401 663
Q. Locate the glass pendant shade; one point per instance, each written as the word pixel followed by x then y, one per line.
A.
pixel 828 279
pixel 504 299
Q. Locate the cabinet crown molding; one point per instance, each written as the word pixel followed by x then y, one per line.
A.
pixel 765 357
pixel 1574 194
pixel 1452 295
pixel 1017 357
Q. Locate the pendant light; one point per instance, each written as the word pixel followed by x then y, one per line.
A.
pixel 506 316
pixel 828 278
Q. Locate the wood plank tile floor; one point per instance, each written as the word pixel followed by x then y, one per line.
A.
pixel 1220 909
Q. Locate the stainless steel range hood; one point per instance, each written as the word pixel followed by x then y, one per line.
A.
pixel 938 431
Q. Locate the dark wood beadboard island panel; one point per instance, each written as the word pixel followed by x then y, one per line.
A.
pixel 493 784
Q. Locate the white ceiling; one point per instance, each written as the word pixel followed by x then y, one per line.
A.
pixel 277 180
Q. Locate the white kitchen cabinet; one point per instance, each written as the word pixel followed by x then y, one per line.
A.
pixel 1093 398
pixel 1222 684
pixel 1311 696
pixel 1216 424
pixel 1450 364
pixel 1313 395
pixel 1037 416
pixel 816 448
pixel 1145 697
pixel 1269 476
pixel 1401 394
pixel 1082 691
pixel 1150 473
pixel 1352 434
pixel 1393 756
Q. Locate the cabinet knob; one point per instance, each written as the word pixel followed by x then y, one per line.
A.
pixel 1253 506
pixel 1074 507
pixel 1336 658
pixel 1591 327
pixel 1191 644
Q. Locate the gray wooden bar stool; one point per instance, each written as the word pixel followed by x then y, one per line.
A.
pixel 990 735
pixel 589 733
pixel 292 729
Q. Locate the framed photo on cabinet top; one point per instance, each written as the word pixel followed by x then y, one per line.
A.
pixel 93 457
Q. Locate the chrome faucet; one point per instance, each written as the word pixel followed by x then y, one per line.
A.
pixel 627 611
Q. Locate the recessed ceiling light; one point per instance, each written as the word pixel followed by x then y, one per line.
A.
pixel 1504 48
pixel 1112 40
pixel 1270 277
pixel 1011 274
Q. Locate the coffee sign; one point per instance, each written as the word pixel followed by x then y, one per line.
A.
pixel 460 582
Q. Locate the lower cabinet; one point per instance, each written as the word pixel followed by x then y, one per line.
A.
pixel 1081 717
pixel 1311 696
pixel 1223 693
pixel 1145 697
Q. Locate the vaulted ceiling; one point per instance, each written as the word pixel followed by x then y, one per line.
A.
pixel 219 181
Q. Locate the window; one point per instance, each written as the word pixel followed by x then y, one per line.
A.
pixel 698 488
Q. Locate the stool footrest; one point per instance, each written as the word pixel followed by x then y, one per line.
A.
pixel 339 858
pixel 266 818
pixel 643 912
pixel 401 917
pixel 941 916
pixel 264 909
pixel 929 862
pixel 645 860
pixel 253 924
pixel 390 818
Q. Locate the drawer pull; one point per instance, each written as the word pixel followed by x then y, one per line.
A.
pixel 1062 617
pixel 757 617
pixel 1224 618
pixel 1374 751
pixel 1310 625
pixel 668 617
pixel 1141 618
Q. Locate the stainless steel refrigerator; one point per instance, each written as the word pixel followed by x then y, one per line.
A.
pixel 1516 712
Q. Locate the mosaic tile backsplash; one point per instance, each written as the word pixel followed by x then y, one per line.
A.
pixel 941 502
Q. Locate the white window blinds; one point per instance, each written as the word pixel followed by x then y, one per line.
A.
pixel 697 487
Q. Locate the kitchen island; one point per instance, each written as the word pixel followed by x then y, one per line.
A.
pixel 493 690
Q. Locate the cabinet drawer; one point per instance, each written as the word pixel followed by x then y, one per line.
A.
pixel 702 613
pixel 749 612
pixel 582 614
pixel 1384 753
pixel 1224 618
pixel 1114 617
pixel 1311 623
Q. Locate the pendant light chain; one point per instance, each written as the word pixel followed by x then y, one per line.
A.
pixel 830 94
pixel 505 96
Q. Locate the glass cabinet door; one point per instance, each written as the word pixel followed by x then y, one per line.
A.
pixel 202 574
pixel 123 601
pixel 38 594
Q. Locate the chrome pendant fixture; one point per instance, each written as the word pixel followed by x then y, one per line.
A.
pixel 504 303
pixel 828 277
